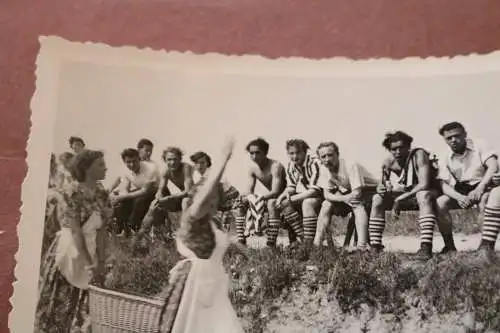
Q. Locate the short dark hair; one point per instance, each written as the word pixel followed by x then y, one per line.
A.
pixel 200 155
pixel 82 162
pixel 328 144
pixel 297 143
pixel 396 136
pixel 75 139
pixel 451 126
pixel 130 153
pixel 174 150
pixel 144 142
pixel 260 143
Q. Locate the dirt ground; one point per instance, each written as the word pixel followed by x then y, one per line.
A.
pixel 306 313
pixel 395 243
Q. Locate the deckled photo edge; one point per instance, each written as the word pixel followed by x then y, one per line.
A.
pixel 54 51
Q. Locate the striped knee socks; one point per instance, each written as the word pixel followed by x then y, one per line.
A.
pixel 426 224
pixel 240 228
pixel 310 224
pixel 491 226
pixel 295 221
pixel 272 231
pixel 376 229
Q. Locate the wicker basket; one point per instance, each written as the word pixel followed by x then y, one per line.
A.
pixel 116 312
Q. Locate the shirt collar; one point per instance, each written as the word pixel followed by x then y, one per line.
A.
pixel 469 145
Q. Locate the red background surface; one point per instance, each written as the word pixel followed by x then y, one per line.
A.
pixel 277 28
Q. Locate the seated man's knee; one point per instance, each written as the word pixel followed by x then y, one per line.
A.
pixel 240 211
pixel 443 202
pixel 311 204
pixel 327 207
pixel 271 206
pixel 377 201
pixel 184 203
pixel 424 198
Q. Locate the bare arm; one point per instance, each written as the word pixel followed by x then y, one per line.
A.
pixel 199 207
pixel 124 186
pixel 251 181
pixel 188 182
pixel 450 191
pixel 150 186
pixel 161 186
pixel 70 215
pixel 491 169
pixel 277 172
pixel 423 175
pixel 304 195
pixel 337 197
pixel 386 171
pixel 115 184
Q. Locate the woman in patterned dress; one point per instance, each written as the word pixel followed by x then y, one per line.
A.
pixel 76 256
pixel 59 178
pixel 197 300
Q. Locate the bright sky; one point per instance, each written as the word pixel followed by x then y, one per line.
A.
pixel 113 107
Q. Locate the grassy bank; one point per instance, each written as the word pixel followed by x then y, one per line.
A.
pixel 332 291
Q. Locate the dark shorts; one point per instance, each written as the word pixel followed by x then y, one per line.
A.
pixel 465 189
pixel 410 204
pixel 407 205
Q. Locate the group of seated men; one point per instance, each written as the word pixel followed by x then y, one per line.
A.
pixel 304 195
pixel 311 189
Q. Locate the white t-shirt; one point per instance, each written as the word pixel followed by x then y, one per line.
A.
pixel 469 167
pixel 148 173
pixel 351 176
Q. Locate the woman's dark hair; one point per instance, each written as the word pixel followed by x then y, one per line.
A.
pixel 174 150
pixel 200 155
pixel 260 143
pixel 75 139
pixel 328 144
pixel 395 137
pixel 82 162
pixel 144 142
pixel 130 153
pixel 451 126
pixel 297 143
pixel 197 234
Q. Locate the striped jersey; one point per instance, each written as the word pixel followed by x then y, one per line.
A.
pixel 303 177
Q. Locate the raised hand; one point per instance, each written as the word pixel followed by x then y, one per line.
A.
pixel 228 147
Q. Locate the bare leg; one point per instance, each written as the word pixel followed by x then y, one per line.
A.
pixel 491 224
pixel 426 221
pixel 324 219
pixel 310 210
pixel 351 230
pixel 361 221
pixel 376 224
pixel 240 216
pixel 445 224
pixel 274 223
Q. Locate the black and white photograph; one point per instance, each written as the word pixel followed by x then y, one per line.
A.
pixel 181 193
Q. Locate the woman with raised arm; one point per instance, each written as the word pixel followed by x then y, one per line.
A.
pixel 77 254
pixel 197 298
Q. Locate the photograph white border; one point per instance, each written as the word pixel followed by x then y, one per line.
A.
pixel 55 51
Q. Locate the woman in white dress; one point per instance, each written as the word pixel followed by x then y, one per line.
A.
pixel 197 298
